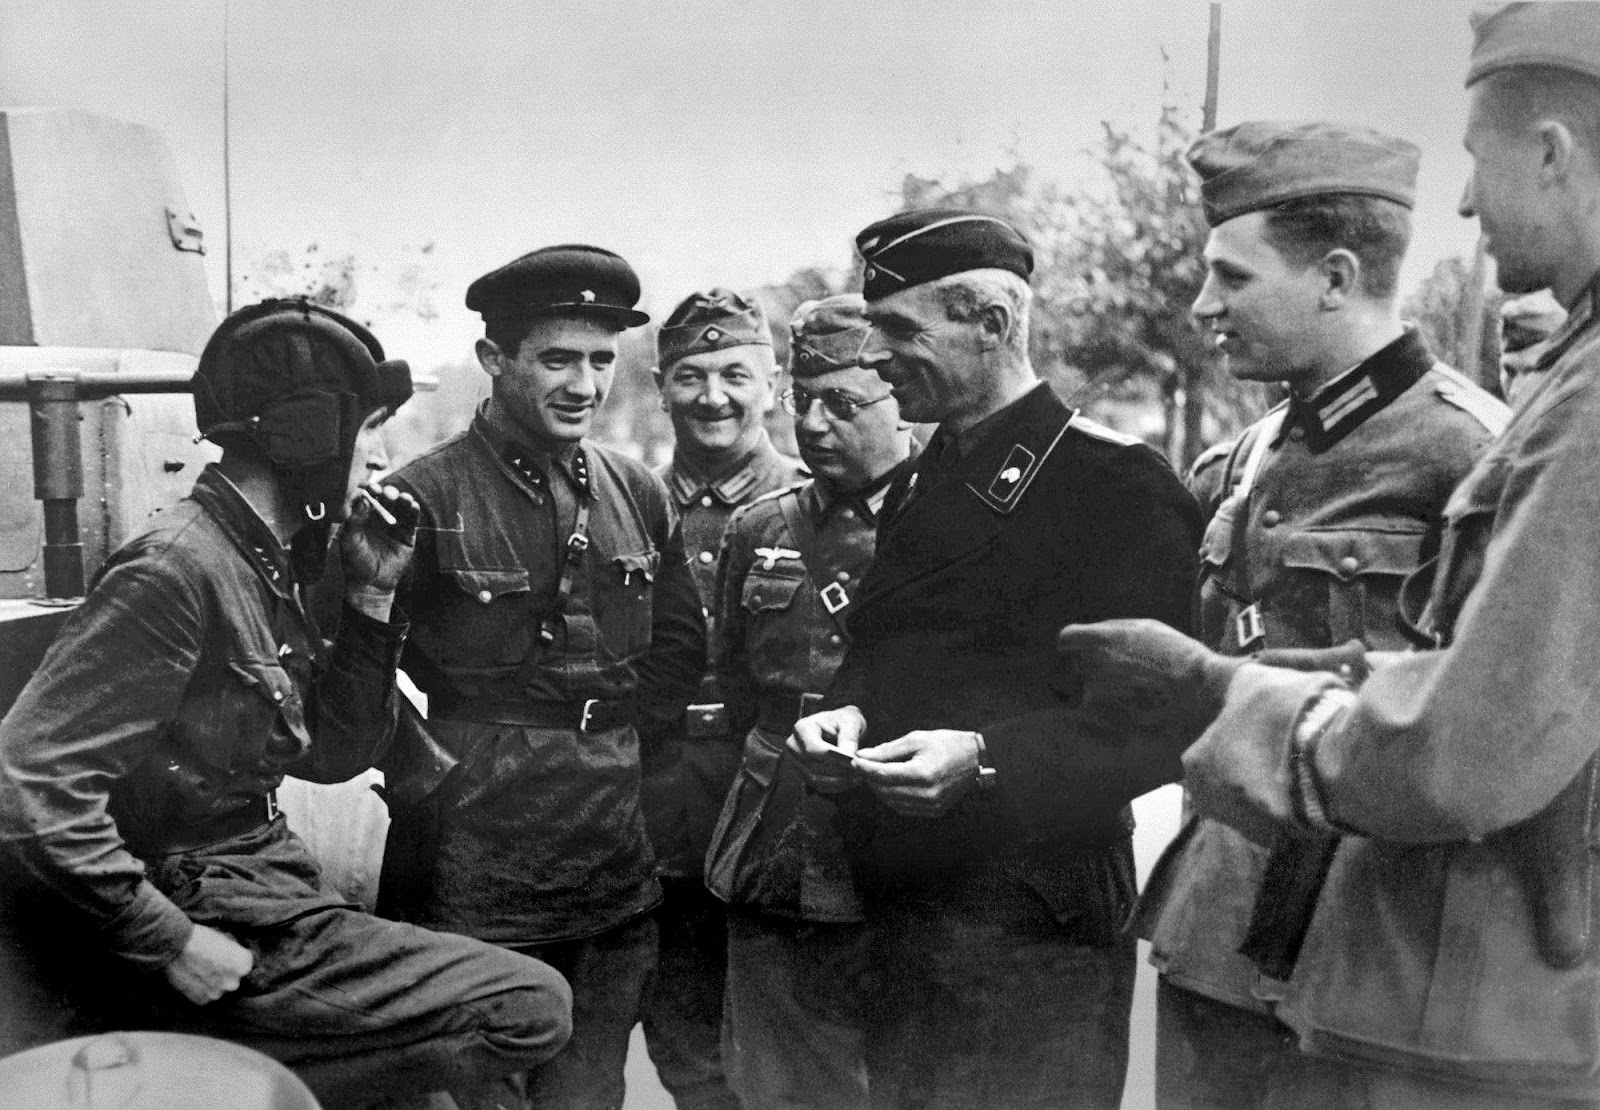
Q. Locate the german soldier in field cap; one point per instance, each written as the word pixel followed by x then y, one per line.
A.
pixel 989 841
pixel 717 375
pixel 143 849
pixel 1452 950
pixel 556 631
pixel 790 564
pixel 1323 508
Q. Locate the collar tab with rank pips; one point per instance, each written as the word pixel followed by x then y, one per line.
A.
pixel 531 472
pixel 1344 404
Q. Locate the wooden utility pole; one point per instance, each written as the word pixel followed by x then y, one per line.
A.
pixel 1194 385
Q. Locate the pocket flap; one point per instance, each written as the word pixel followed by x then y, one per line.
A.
pixel 1346 553
pixel 488 584
pixel 271 683
pixel 769 591
pixel 643 562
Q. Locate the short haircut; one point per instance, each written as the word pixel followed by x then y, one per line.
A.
pixel 508 332
pixel 1524 95
pixel 965 295
pixel 1375 230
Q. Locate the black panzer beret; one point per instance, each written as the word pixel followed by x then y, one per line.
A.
pixel 571 277
pixel 910 248
pixel 1260 163
pixel 710 321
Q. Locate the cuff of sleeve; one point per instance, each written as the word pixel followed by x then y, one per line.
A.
pixel 150 931
pixel 1321 715
pixel 375 641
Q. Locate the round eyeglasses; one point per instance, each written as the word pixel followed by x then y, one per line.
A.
pixel 838 404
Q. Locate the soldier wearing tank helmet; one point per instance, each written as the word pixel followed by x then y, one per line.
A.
pixel 157 884
pixel 558 636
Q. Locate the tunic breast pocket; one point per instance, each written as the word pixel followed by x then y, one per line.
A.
pixel 248 718
pixel 624 587
pixel 489 625
pixel 1356 574
pixel 776 638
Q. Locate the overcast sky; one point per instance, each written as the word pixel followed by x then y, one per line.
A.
pixel 709 141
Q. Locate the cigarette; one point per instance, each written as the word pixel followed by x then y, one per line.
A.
pixel 377 507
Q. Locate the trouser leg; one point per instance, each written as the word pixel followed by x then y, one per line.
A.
pixel 363 1008
pixel 683 1015
pixel 792 1030
pixel 609 974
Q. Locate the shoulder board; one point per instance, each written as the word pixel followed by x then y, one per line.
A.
pixel 774 494
pixel 1099 431
pixel 1211 456
pixel 1459 390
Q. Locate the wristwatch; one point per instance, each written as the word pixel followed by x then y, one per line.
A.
pixel 986 773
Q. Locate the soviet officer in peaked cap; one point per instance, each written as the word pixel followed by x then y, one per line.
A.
pixel 1326 506
pixel 717 375
pixel 791 562
pixel 144 858
pixel 556 630
pixel 990 841
pixel 1452 951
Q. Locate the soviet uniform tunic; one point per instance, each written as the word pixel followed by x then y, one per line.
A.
pixel 999 976
pixel 541 841
pixel 1346 500
pixel 683 795
pixel 794 1035
pixel 136 773
pixel 1453 940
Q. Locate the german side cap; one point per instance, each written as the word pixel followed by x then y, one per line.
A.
pixel 827 335
pixel 1562 35
pixel 1262 163
pixel 910 248
pixel 571 277
pixel 711 321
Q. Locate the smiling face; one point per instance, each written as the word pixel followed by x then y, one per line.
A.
pixel 552 388
pixel 1505 193
pixel 932 363
pixel 1261 306
pixel 716 399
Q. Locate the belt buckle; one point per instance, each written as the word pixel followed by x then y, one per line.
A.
pixel 588 714
pixel 272 806
pixel 1249 627
pixel 833 597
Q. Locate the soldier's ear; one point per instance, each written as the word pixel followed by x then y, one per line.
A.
pixel 994 325
pixel 490 357
pixel 1341 275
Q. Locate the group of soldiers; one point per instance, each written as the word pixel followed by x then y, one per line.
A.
pixel 823 772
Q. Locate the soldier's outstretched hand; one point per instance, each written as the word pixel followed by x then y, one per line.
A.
pixel 1140 674
pixel 211 965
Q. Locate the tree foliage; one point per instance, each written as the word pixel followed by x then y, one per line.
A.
pixel 1442 307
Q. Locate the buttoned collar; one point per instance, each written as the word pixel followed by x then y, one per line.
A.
pixel 1344 404
pixel 528 465
pixel 825 497
pixel 734 485
pixel 245 528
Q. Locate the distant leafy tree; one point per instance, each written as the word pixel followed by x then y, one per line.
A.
pixel 336 280
pixel 1442 307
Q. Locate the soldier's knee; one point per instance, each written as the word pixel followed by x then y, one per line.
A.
pixel 530 1022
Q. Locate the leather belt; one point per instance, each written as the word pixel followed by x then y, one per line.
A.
pixel 592 715
pixel 779 712
pixel 261 810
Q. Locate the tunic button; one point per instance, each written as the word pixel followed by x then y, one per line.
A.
pixel 485 596
pixel 706 501
pixel 1297 433
pixel 1349 564
pixel 834 639
pixel 843 576
pixel 277 695
pixel 1270 518
pixel 706 557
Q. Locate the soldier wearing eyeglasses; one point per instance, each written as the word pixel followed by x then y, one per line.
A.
pixel 790 562
pixel 718 380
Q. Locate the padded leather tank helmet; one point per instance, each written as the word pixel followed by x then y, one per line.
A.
pixel 295 380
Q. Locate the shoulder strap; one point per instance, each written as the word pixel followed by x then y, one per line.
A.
pixel 832 594
pixel 1267 431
